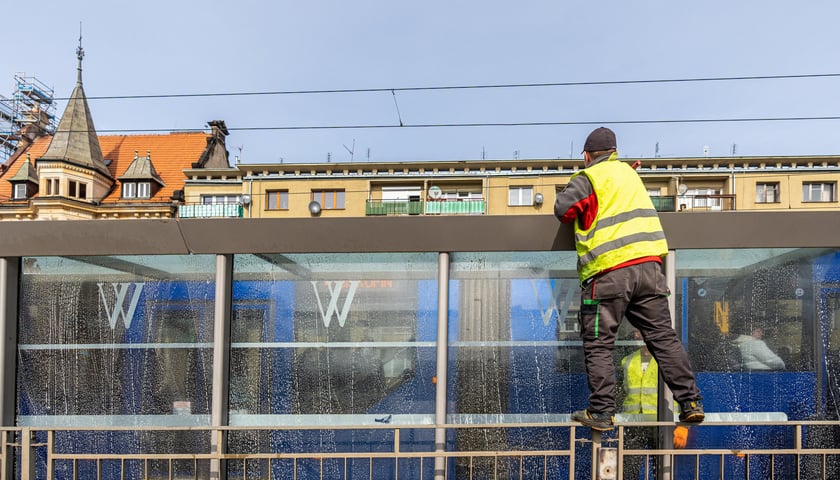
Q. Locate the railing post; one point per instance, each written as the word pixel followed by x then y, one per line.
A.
pixel 27 457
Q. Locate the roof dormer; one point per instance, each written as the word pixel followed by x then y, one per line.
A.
pixel 140 179
pixel 25 181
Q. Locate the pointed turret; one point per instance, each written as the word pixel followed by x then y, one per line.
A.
pixel 75 141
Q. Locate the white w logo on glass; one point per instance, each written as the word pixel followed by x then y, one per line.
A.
pixel 332 307
pixel 114 312
pixel 555 303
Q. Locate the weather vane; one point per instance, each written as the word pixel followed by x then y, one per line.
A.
pixel 80 53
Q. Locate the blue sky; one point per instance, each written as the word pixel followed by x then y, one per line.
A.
pixel 185 47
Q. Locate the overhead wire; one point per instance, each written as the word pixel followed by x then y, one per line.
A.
pixel 462 87
pixel 402 124
pixel 488 124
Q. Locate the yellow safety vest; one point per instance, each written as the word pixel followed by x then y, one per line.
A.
pixel 626 226
pixel 640 387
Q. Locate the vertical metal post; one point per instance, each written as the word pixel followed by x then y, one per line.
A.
pixel 27 456
pixel 442 363
pixel 221 360
pixel 9 278
pixel 665 404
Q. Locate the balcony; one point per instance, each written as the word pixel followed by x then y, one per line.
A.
pixel 393 207
pixel 455 207
pixel 707 203
pixel 210 210
pixel 664 204
pixel 696 203
pixel 437 207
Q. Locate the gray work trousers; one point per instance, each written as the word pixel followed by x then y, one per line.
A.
pixel 639 293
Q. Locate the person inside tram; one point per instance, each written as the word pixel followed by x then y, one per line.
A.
pixel 755 354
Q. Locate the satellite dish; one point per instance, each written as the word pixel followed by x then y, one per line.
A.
pixel 682 188
pixel 435 192
pixel 314 208
pixel 538 199
pixel 245 199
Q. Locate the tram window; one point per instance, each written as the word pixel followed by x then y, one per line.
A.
pixel 758 321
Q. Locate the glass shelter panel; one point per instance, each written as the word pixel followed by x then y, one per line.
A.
pixel 116 341
pixel 332 339
pixel 514 352
pixel 756 323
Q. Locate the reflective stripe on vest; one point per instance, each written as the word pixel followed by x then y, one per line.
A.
pixel 641 387
pixel 626 226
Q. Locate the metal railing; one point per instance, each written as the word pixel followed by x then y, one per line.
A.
pixel 695 203
pixel 395 207
pixel 707 203
pixel 210 210
pixel 430 207
pixel 566 450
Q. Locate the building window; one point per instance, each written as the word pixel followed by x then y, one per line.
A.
pixel 767 192
pixel 819 192
pixel 129 190
pixel 137 190
pixel 520 196
pixel 329 199
pixel 214 199
pixel 278 200
pixel 52 186
pixel 77 189
pixel 20 191
pixel 702 198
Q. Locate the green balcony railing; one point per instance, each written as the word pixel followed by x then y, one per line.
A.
pixel 664 204
pixel 394 207
pixel 216 210
pixel 457 207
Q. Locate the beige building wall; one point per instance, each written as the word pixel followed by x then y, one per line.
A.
pixel 726 184
pixel 790 187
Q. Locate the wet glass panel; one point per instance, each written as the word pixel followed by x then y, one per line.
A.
pixel 513 333
pixel 331 334
pixel 327 340
pixel 756 323
pixel 117 340
pixel 515 352
pixel 117 336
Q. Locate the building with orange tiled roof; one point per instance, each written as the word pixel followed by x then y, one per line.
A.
pixel 77 174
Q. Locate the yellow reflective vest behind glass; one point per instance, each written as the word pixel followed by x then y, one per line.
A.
pixel 626 226
pixel 640 385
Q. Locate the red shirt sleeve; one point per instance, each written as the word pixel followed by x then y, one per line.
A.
pixel 577 201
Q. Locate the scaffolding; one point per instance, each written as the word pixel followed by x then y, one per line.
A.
pixel 32 103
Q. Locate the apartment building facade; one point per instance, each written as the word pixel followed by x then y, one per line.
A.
pixel 504 187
